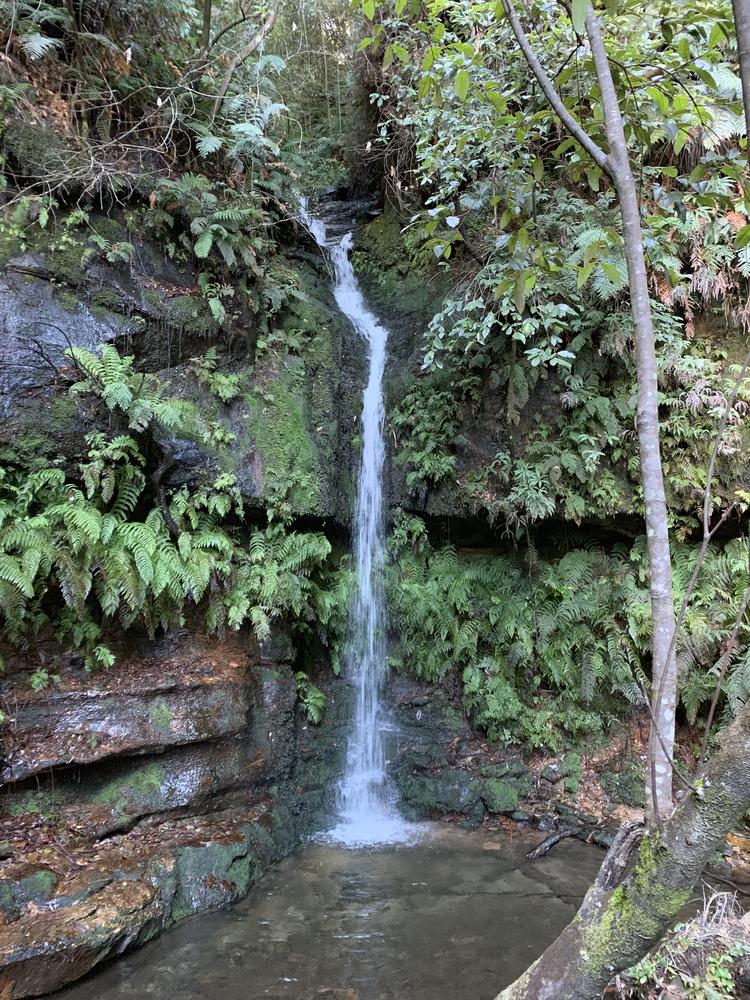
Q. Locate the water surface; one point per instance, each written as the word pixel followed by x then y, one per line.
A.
pixel 459 915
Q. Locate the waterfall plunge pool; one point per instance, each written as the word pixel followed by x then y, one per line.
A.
pixel 456 914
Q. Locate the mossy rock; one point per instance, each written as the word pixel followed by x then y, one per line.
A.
pixel 134 791
pixel 514 767
pixel 34 886
pixel 210 876
pixel 500 796
pixel 451 791
pixel 625 786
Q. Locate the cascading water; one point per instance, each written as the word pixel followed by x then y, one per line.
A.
pixel 367 813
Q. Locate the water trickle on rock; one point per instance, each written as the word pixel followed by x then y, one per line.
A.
pixel 367 812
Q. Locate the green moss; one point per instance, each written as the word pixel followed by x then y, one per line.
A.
pixel 161 716
pixel 141 784
pixel 106 298
pixel 108 229
pixel 65 260
pixel 500 796
pixel 636 910
pixel 189 313
pixel 290 461
pixel 68 300
pixel 44 802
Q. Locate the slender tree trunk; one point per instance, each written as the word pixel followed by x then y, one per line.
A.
pixel 620 920
pixel 741 10
pixel 661 740
pixel 617 163
pixel 206 30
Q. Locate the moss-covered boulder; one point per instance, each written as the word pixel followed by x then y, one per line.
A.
pixel 450 791
pixel 500 796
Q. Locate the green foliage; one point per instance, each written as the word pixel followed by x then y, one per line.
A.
pixel 528 231
pixel 225 387
pixel 311 699
pixel 700 959
pixel 547 648
pixel 111 551
pixel 137 396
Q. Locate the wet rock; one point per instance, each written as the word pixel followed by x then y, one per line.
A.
pixel 36 327
pixel 550 774
pixel 43 951
pixel 626 785
pixel 451 791
pixel 514 767
pixel 121 792
pixel 29 885
pixel 210 876
pixel 140 707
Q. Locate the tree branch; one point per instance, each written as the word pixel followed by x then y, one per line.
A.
pixel 556 102
pixel 245 52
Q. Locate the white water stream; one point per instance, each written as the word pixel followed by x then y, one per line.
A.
pixel 366 810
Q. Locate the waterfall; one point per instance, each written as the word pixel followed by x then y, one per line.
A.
pixel 367 813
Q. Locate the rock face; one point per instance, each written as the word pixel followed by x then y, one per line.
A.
pixel 290 429
pixel 134 798
pixel 443 768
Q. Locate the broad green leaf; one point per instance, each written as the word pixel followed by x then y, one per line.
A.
pixel 612 271
pixel 203 244
pixel 461 84
pixel 593 176
pixel 401 53
pixel 578 15
pixel 368 6
pixel 717 36
pixel 519 292
pixel 681 139
pixel 743 237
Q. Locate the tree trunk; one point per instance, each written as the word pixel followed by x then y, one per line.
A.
pixel 741 10
pixel 664 669
pixel 206 29
pixel 617 164
pixel 618 923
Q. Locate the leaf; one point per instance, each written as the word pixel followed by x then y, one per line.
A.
pixel 578 15
pixel 743 237
pixel 584 273
pixel 593 175
pixel 208 144
pixel 453 221
pixel 368 6
pixel 203 244
pixel 461 84
pixel 401 53
pixel 519 293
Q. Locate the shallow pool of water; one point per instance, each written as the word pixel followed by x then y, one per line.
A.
pixel 458 915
